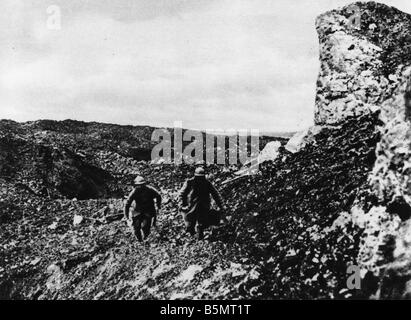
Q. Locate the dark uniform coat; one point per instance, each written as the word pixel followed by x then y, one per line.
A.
pixel 196 199
pixel 141 200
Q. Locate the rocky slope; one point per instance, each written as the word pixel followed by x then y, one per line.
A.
pixel 367 69
pixel 280 242
pixel 340 197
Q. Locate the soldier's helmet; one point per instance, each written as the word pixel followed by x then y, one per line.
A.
pixel 139 180
pixel 199 172
pixel 200 163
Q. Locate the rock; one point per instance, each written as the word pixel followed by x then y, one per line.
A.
pixel 75 260
pixel 53 226
pixel 35 261
pixel 115 217
pixel 270 152
pixel 77 220
pixel 103 211
pixel 400 207
pixel 302 138
pixel 181 296
pixel 237 270
pixel 396 277
pixel 377 73
pixel 359 62
pixel 162 269
pixel 99 295
pixel 188 274
pixel 54 282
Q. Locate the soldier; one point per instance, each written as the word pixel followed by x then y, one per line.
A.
pixel 143 213
pixel 195 202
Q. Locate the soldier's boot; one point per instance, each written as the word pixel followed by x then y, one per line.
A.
pixel 137 234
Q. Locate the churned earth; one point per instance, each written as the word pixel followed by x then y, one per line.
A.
pixel 339 196
pixel 280 241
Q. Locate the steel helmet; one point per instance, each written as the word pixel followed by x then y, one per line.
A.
pixel 199 172
pixel 139 180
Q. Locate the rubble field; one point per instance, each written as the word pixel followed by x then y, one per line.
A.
pixel 335 195
pixel 280 240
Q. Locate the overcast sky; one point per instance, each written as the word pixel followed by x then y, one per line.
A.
pixel 214 64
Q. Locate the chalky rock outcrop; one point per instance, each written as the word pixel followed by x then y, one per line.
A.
pixel 365 52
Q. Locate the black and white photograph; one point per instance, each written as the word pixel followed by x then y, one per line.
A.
pixel 209 151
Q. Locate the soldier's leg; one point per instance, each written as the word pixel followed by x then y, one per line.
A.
pixel 146 227
pixel 200 231
pixel 202 222
pixel 189 221
pixel 137 229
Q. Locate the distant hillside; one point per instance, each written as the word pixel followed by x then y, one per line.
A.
pixel 71 158
pixel 128 141
pixel 278 134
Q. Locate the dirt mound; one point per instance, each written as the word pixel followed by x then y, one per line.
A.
pixel 51 172
pixel 285 217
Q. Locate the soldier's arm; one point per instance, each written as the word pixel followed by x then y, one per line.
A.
pixel 127 205
pixel 216 196
pixel 183 194
pixel 157 197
